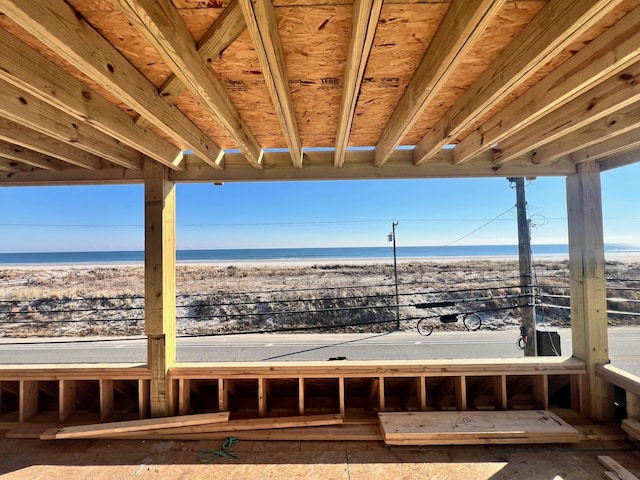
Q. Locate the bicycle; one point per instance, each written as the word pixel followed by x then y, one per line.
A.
pixel 471 322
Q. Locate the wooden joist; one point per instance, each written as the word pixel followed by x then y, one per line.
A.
pixel 470 428
pixel 102 430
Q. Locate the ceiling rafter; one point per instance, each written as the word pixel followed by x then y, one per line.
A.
pixel 616 49
pixel 556 26
pixel 28 157
pixel 462 25
pixel 620 160
pixel 609 127
pixel 50 83
pixel 618 144
pixel 56 24
pixel 25 109
pixel 260 18
pixel 20 135
pixel 224 31
pixel 161 25
pixel 605 99
pixel 366 14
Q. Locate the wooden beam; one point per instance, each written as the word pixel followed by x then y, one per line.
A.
pixel 620 471
pixel 224 31
pixel 20 135
pixel 260 18
pixel 620 160
pixel 29 71
pixel 160 293
pixel 614 50
pixel 56 24
pixel 28 157
pixel 161 25
pixel 555 27
pixel 623 143
pixel 25 109
pixel 588 292
pixel 10 166
pixel 464 22
pixel 605 99
pixel 366 14
pixel 626 120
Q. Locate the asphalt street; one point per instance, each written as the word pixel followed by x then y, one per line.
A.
pixel 624 348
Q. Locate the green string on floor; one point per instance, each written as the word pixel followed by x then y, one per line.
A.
pixel 208 456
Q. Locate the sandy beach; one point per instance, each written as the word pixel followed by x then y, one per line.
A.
pixel 346 295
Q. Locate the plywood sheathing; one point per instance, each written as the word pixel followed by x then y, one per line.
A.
pixel 505 26
pixel 403 35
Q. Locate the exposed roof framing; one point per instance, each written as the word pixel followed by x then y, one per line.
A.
pixel 552 30
pixel 161 25
pixel 293 90
pixel 461 27
pixel 366 14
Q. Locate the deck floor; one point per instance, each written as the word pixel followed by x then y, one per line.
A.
pixel 101 459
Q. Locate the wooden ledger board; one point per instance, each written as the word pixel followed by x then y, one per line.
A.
pixel 471 427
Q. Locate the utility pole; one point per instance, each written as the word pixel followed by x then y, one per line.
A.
pixel 527 302
pixel 392 236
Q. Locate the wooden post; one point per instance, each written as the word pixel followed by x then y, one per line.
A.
pixel 160 290
pixel 526 269
pixel 588 292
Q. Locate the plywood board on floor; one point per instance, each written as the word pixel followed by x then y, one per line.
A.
pixel 475 427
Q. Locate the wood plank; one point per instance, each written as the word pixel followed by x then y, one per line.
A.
pixel 28 399
pixel 611 464
pixel 106 399
pixel 341 397
pixel 38 142
pixel 67 400
pixel 144 398
pixel 557 25
pixel 224 31
pixel 28 157
pixel 297 422
pixel 262 396
pixel 223 394
pixel 340 432
pixel 449 428
pixel 500 391
pixel 381 395
pixel 605 99
pixel 541 391
pixel 301 395
pixel 146 425
pixel 619 160
pixel 163 27
pixel 610 127
pixel 260 17
pixel 52 84
pixel 462 26
pixel 31 112
pixel 184 395
pixel 422 393
pixel 632 427
pixel 56 24
pixel 616 49
pixel 366 14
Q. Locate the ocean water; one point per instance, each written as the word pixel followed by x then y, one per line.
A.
pixel 282 254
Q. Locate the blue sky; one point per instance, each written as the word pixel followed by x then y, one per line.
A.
pixel 308 214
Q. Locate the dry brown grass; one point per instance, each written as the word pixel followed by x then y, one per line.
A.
pixel 81 301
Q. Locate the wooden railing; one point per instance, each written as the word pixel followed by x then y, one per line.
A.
pixel 352 389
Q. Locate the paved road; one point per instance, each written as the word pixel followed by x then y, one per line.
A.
pixel 624 347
